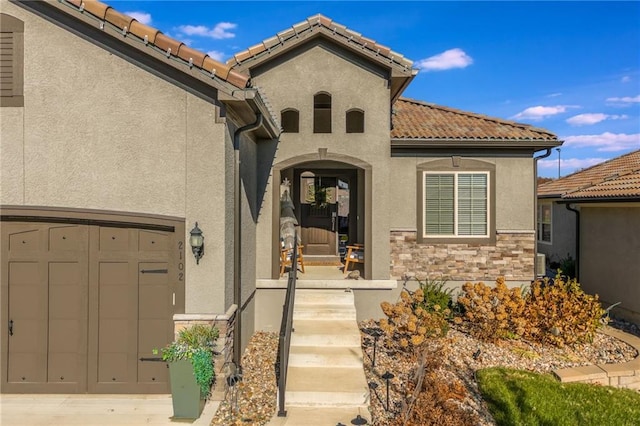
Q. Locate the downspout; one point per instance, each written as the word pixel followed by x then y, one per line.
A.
pixel 535 209
pixel 577 212
pixel 237 237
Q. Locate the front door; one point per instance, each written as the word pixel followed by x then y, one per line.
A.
pixel 319 214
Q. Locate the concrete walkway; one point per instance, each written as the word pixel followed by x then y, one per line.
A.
pixel 90 410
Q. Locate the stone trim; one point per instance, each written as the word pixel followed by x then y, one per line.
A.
pixel 224 346
pixel 624 375
pixel 511 256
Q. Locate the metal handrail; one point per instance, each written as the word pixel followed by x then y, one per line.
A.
pixel 286 327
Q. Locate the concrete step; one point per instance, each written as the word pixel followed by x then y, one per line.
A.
pixel 320 416
pixel 317 356
pixel 321 297
pixel 325 333
pixel 326 386
pixel 324 312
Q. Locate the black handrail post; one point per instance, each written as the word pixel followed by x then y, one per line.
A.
pixel 286 326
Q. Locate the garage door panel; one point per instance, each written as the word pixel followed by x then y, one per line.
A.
pixel 152 372
pixel 24 241
pixel 27 302
pixel 24 273
pixel 64 335
pixel 114 239
pixel 67 238
pixel 113 273
pixel 66 290
pixel 153 241
pixel 63 367
pixel 153 334
pixel 113 302
pixel 114 335
pixel 113 367
pixel 27 367
pixel 28 335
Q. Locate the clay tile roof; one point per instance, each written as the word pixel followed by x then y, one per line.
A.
pixel 155 38
pixel 414 119
pixel 328 27
pixel 615 178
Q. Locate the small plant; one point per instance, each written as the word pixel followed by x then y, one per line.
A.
pixel 436 297
pixel 196 345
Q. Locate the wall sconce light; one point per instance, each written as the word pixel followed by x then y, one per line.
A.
pixel 197 243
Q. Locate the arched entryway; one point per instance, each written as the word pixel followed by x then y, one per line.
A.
pixel 332 197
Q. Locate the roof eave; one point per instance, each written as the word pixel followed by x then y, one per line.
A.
pixel 408 143
pixel 591 200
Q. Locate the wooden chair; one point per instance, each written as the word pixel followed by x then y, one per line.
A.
pixel 355 254
pixel 285 259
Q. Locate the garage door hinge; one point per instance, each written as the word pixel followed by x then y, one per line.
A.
pixel 154 271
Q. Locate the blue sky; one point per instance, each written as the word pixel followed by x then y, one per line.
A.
pixel 570 67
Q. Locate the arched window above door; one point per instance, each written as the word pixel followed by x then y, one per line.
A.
pixel 355 121
pixel 290 120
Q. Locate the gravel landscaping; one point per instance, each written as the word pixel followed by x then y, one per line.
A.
pixel 454 361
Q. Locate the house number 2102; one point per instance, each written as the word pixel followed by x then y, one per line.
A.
pixel 181 261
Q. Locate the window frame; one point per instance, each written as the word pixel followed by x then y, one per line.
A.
pixel 320 126
pixel 356 123
pixel 456 165
pixel 297 120
pixel 14 26
pixel 539 223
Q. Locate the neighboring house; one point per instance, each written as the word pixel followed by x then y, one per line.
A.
pixel 117 139
pixel 594 216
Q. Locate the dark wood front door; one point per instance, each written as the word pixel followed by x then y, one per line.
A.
pixel 319 215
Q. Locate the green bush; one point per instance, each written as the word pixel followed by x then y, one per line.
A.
pixel 195 344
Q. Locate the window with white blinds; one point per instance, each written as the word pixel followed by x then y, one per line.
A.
pixel 456 204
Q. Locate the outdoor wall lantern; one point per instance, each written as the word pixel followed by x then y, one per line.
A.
pixel 197 243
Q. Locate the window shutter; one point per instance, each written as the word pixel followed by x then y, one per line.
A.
pixel 439 204
pixel 6 64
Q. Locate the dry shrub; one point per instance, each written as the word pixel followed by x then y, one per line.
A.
pixel 558 313
pixel 432 400
pixel 492 312
pixel 408 323
pixel 561 313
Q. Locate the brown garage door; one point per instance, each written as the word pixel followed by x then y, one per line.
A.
pixel 86 304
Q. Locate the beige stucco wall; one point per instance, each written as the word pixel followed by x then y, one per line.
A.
pixel 98 132
pixel 563 234
pixel 351 86
pixel 514 192
pixel 609 255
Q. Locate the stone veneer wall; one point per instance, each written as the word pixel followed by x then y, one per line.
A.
pixel 512 256
pixel 224 345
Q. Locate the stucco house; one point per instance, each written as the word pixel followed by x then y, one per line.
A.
pixel 593 215
pixel 118 141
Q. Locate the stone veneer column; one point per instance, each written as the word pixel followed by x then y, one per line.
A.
pixel 224 346
pixel 512 256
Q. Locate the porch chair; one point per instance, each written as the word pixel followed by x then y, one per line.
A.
pixel 286 254
pixel 355 254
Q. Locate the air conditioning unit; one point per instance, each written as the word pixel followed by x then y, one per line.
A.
pixel 541 265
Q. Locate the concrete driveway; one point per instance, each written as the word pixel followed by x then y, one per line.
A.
pixel 89 410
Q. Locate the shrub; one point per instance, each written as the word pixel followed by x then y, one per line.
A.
pixel 436 297
pixel 408 323
pixel 492 313
pixel 195 344
pixel 561 313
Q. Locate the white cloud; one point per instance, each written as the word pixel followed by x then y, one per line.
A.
pixel 569 165
pixel 452 58
pixel 142 17
pixel 554 95
pixel 220 31
pixel 624 101
pixel 540 112
pixel 625 79
pixel 604 142
pixel 217 55
pixel 587 119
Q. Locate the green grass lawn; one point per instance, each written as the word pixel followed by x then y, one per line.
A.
pixel 517 397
